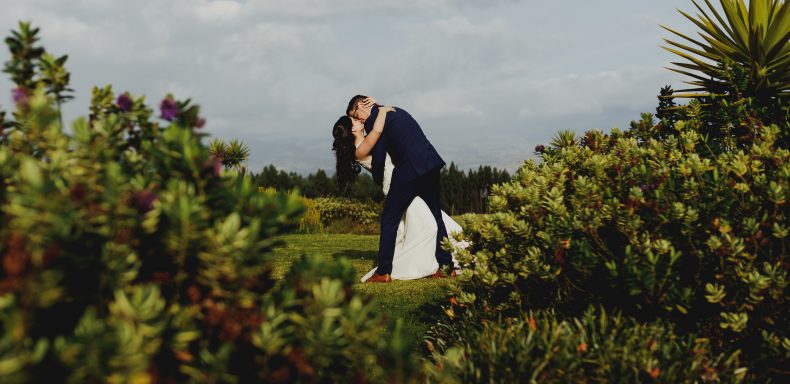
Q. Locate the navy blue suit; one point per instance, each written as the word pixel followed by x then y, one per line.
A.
pixel 416 174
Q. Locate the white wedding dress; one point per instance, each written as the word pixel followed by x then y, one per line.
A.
pixel 415 244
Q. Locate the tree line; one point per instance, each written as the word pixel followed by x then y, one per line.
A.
pixel 461 191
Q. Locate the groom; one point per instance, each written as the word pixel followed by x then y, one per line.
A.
pixel 417 169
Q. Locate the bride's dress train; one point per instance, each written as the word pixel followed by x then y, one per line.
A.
pixel 415 245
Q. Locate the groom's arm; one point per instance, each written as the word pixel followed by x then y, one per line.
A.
pixel 379 151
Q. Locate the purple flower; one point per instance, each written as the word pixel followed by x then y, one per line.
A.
pixel 169 109
pixel 145 200
pixel 200 122
pixel 20 95
pixel 540 148
pixel 124 102
pixel 643 187
pixel 215 164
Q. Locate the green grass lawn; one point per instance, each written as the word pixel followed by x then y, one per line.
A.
pixel 417 302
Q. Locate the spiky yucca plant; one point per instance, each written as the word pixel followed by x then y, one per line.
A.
pixel 563 139
pixel 233 153
pixel 236 154
pixel 749 39
pixel 217 147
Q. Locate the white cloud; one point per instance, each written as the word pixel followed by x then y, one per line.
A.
pixel 461 27
pixel 444 103
pixel 593 93
pixel 218 10
pixel 487 80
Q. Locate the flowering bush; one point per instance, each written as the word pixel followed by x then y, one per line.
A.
pixel 129 255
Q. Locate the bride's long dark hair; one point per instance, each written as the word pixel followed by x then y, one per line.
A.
pixel 345 153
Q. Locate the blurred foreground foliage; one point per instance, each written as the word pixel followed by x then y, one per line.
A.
pixel 129 255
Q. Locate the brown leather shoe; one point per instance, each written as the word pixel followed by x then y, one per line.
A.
pixel 376 278
pixel 439 274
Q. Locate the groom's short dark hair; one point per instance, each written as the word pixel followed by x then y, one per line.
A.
pixel 352 104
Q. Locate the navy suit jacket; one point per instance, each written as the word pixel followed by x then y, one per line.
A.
pixel 404 140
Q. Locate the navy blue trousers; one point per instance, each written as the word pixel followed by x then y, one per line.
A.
pixel 398 200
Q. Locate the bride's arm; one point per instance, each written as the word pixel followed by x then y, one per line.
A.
pixel 363 151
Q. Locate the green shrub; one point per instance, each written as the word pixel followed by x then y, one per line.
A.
pixel 128 254
pixel 337 215
pixel 310 222
pixel 342 215
pixel 653 229
pixel 319 328
pixel 593 348
pixel 682 222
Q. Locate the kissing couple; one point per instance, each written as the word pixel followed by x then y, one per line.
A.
pixel 389 143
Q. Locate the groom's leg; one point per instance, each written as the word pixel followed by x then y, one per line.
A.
pixel 398 199
pixel 430 192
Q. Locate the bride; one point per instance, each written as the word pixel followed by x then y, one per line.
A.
pixel 415 244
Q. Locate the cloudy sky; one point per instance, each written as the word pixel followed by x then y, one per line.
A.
pixel 486 79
